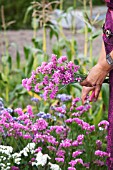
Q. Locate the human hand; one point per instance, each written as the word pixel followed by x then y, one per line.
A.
pixel 95 93
pixel 96 76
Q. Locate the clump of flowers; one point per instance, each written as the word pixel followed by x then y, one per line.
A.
pixel 49 76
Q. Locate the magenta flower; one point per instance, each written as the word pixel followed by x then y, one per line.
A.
pixel 101 153
pixel 104 124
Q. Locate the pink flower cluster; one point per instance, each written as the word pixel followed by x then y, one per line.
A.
pixel 80 122
pixel 54 73
pixel 104 124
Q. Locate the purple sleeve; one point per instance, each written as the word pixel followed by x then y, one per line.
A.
pixel 108 41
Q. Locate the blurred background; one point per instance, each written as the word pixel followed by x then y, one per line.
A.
pixel 15 11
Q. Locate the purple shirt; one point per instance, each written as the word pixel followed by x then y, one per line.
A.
pixel 109 3
pixel 109 22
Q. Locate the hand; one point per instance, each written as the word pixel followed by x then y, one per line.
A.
pixel 86 91
pixel 96 76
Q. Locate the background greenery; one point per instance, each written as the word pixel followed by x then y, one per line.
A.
pixel 15 11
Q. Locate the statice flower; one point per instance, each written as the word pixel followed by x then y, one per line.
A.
pixel 76 153
pixel 74 162
pixel 99 144
pixel 66 143
pixel 99 162
pixel 104 124
pixel 63 97
pixel 61 153
pixel 101 153
pixel 34 99
pixel 59 159
pixel 71 168
pixel 54 73
pixel 40 124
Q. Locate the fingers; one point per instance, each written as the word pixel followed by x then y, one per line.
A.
pixel 97 91
pixel 85 92
pixel 87 83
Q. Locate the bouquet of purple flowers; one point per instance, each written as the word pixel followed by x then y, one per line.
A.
pixel 50 77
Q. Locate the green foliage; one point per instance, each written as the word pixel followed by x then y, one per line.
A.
pixel 15 11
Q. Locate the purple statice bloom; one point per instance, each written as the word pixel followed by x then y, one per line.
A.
pixel 9 110
pixel 51 148
pixel 99 144
pixel 71 168
pixel 54 60
pixel 101 153
pixel 14 168
pixel 75 143
pixel 27 136
pixel 80 108
pixel 87 165
pixel 77 114
pixel 40 114
pixel 76 153
pixel 66 143
pixel 53 93
pixel 74 162
pixel 62 59
pixel 80 138
pixel 40 124
pixel 104 124
pixel 59 159
pixel 38 149
pixel 60 109
pixel 99 162
pixel 19 111
pixel 70 120
pixel 61 153
pixel 63 97
pixel 60 115
pixel 34 99
pixel 46 116
pixel 45 80
pixel 29 111
pixel 37 88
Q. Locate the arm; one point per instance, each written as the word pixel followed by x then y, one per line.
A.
pixel 96 76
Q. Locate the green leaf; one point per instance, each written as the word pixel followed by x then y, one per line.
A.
pixel 105 95
pixel 18 59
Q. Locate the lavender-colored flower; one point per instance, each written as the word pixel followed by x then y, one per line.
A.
pixel 34 99
pixel 63 97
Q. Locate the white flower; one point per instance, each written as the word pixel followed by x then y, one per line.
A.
pixel 54 166
pixel 16 155
pixel 31 146
pixel 17 160
pixel 41 159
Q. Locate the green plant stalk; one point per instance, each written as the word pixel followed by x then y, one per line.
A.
pixel 44 38
pixel 7 52
pixel 61 8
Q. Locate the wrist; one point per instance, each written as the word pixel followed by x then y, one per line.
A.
pixel 104 65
